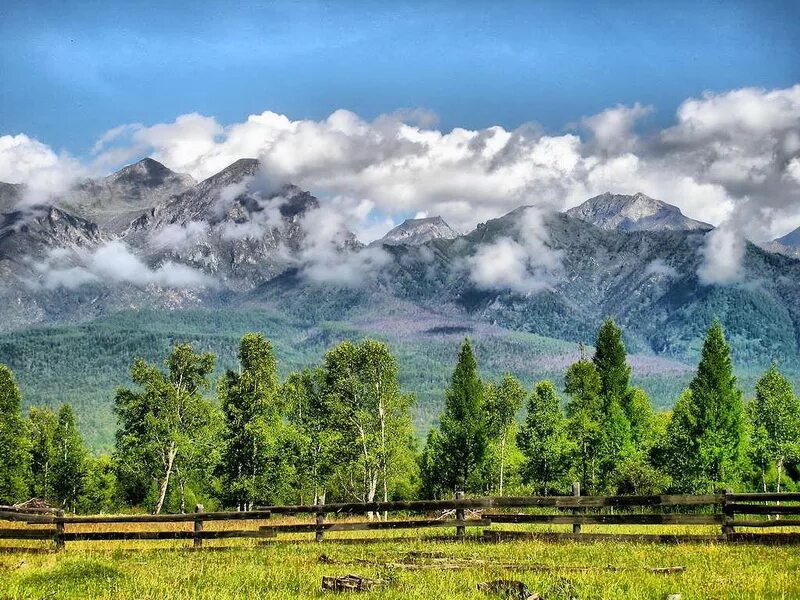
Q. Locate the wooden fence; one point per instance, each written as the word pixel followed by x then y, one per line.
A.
pixel 725 515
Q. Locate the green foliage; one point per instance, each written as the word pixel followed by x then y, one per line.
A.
pixel 707 433
pixel 14 446
pixel 544 442
pixel 166 428
pixel 502 403
pixel 775 420
pixel 69 464
pixel 585 412
pixel 42 424
pixel 100 494
pixel 316 443
pixel 464 437
pixel 365 404
pixel 255 462
pixel 610 359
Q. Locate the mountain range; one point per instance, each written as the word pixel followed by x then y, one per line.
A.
pixel 235 250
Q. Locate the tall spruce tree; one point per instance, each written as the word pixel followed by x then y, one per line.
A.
pixel 69 466
pixel 585 414
pixel 711 419
pixel 464 438
pixel 14 446
pixel 775 414
pixel 544 442
pixel 610 360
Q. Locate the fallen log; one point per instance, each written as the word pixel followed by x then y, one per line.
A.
pixel 349 583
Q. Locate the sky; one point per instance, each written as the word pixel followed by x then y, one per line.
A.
pixel 390 110
pixel 72 70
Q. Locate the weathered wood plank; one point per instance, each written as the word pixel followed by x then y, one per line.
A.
pixel 765 523
pixel 26 517
pixel 91 536
pixel 671 519
pixel 766 497
pixel 189 517
pixel 501 502
pixel 373 525
pixel 27 534
pixel 777 539
pixel 499 536
pixel 764 509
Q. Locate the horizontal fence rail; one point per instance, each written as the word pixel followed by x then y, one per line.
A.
pixel 723 511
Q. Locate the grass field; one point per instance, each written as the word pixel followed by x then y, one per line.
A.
pixel 410 567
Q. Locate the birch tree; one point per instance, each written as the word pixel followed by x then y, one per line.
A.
pixel 775 416
pixel 502 404
pixel 364 397
pixel 164 418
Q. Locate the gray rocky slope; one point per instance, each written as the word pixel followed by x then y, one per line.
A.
pixel 631 257
pixel 634 213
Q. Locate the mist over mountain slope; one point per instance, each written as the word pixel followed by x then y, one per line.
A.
pixel 147 241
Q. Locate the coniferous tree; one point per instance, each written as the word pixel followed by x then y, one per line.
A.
pixel 42 424
pixel 708 426
pixel 502 404
pixel 69 466
pixel 14 446
pixel 464 437
pixel 610 360
pixel 544 442
pixel 775 414
pixel 585 413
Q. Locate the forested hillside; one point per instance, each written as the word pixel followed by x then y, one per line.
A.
pixel 83 364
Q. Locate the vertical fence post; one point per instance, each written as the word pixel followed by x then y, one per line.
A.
pixel 460 529
pixel 576 491
pixel 319 532
pixel 727 515
pixel 59 536
pixel 198 527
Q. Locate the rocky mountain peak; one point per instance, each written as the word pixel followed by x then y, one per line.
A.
pixel 637 212
pixel 414 232
pixel 788 245
pixel 148 173
pixel 791 239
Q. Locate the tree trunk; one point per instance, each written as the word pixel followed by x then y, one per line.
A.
pixel 502 459
pixel 162 491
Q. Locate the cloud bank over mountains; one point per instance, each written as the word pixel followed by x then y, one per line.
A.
pixel 731 159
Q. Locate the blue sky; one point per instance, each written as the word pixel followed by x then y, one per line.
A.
pixel 72 70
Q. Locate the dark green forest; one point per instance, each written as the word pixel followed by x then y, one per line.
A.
pixel 83 364
pixel 238 430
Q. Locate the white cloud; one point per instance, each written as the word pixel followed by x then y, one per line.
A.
pixel 114 263
pixel 525 265
pixel 722 253
pixel 660 268
pixel 612 129
pixel 328 253
pixel 177 236
pixel 730 157
pixel 28 161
